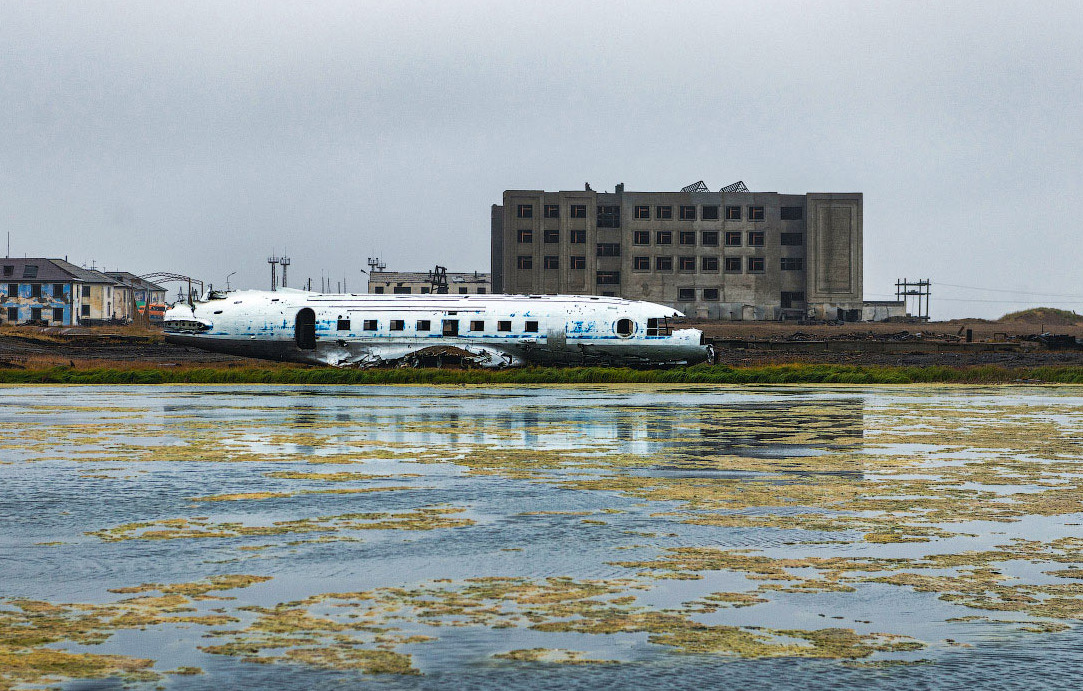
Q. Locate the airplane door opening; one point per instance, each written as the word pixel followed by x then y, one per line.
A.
pixel 304 329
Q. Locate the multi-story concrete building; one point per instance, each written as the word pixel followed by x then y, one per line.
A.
pixel 54 291
pixel 415 282
pixel 719 255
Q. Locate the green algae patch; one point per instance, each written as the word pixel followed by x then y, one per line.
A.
pixel 552 656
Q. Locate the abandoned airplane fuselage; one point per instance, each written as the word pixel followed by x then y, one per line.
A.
pixel 486 330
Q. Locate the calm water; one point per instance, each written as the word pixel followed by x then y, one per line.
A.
pixel 107 488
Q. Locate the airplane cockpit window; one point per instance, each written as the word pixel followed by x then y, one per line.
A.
pixel 658 327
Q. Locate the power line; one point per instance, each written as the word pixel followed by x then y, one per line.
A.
pixel 1014 292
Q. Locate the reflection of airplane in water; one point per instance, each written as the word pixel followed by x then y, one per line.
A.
pixel 487 330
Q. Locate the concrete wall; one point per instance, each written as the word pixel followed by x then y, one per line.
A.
pixel 830 263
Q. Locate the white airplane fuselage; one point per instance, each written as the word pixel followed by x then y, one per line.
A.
pixel 489 330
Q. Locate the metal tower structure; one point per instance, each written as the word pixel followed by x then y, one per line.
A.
pixel 738 186
pixel 284 262
pixel 904 290
pixel 273 261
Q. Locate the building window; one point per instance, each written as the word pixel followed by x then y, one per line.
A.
pixel 550 236
pixel 609 217
pixel 687 237
pixel 503 326
pixel 525 211
pixel 709 238
pixel 755 238
pixel 551 262
pixel 343 324
pixel 463 291
pixel 526 235
pixel 663 263
pixel 686 263
pixel 643 211
pixel 30 271
pixel 733 265
pixel 522 262
pixel 793 264
pixel 397 325
pixel 686 294
pixel 481 291
pixel 378 290
pixel 710 264
pixel 13 314
pixel 755 264
pixel 710 293
pixel 793 238
pixel 58 290
pixel 400 290
pixel 85 310
pixel 86 291
pixel 577 262
pixel 688 213
pixel 552 211
pixel 423 325
pixel 663 212
pixel 9 270
pixel 35 314
pixel 710 213
pixel 35 290
pixel 793 213
pixel 641 263
pixel 370 325
pixel 13 290
pixel 641 237
pixel 58 314
pixel 578 211
pixel 733 238
pixel 755 213
pixel 577 237
pixel 608 249
pixel 425 290
pixel 664 237
pixel 608 277
pixel 790 299
pixel 477 325
pixel 733 213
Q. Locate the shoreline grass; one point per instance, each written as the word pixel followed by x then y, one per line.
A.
pixel 698 374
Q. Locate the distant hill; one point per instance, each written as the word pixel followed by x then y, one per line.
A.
pixel 1043 315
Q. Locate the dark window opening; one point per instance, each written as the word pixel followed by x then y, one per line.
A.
pixel 686 264
pixel 477 325
pixel 641 237
pixel 425 290
pixel 58 314
pixel 663 263
pixel 9 270
pixel 304 327
pixel 663 237
pixel 397 325
pixel 663 212
pixel 13 290
pixel 609 217
pixel 687 237
pixel 793 238
pixel 550 236
pixel 530 327
pixel 503 326
pixel 30 271
pixel 608 249
pixel 793 213
pixel 524 262
pixel 658 327
pixel 710 293
pixel 578 211
pixel 710 264
pixel 755 213
pixel 525 211
pixel 451 327
pixel 371 325
pixel 577 237
pixel 792 299
pixel 481 291
pixel 35 290
pixel 793 264
pixel 578 262
pixel 526 235
pixel 86 291
pixel 552 211
pixel 733 264
pixel 686 294
pixel 608 277
pixel 625 327
pixel 641 263
pixel 710 213
pixel 733 238
pixel 424 325
pixel 643 211
pixel 463 291
pixel 755 264
pixel 58 290
pixel 85 312
pixel 13 314
pixel 755 238
pixel 688 213
pixel 733 213
pixel 402 290
pixel 35 314
pixel 343 324
pixel 551 262
pixel 378 290
pixel 709 238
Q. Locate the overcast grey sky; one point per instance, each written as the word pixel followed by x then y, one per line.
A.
pixel 200 137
